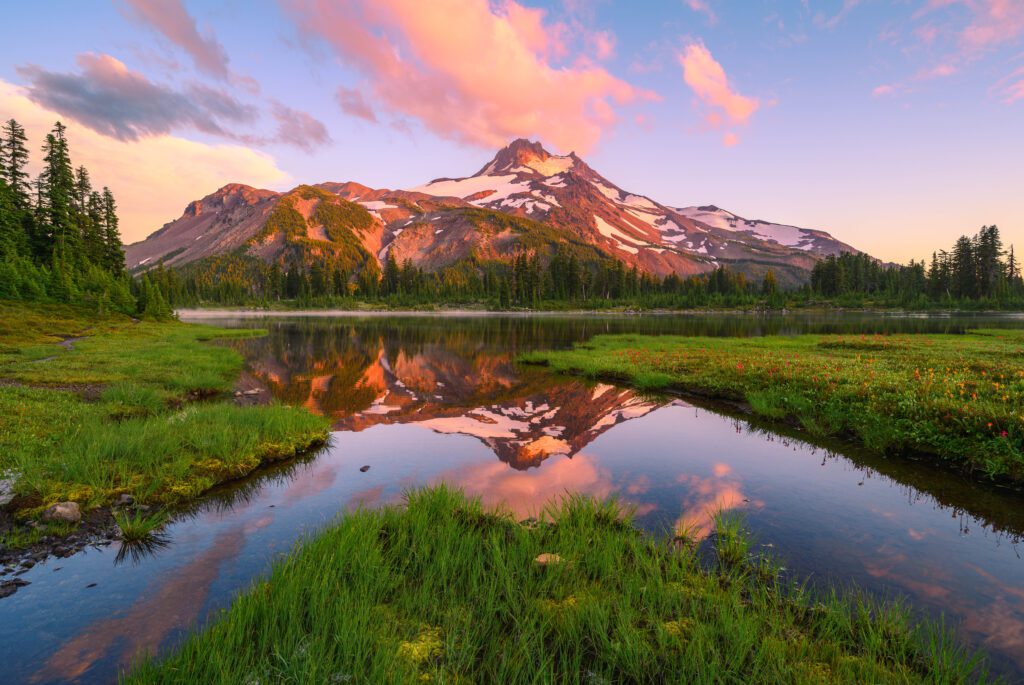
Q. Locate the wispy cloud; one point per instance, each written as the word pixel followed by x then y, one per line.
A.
pixel 827 22
pixel 508 74
pixel 298 129
pixel 707 79
pixel 704 7
pixel 956 34
pixel 354 104
pixel 170 19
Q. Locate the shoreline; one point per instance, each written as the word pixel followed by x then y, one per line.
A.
pixel 200 314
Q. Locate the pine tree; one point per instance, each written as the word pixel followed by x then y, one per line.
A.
pixel 13 159
pixel 56 195
pixel 113 249
pixel 769 285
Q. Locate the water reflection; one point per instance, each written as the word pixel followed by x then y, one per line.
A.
pixel 429 401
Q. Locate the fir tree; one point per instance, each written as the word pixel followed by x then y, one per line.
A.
pixel 113 249
pixel 56 197
pixel 13 159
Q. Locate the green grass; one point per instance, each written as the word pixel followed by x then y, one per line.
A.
pixel 129 408
pixel 138 526
pixel 958 397
pixel 445 591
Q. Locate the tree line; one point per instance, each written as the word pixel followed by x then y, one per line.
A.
pixel 976 271
pixel 59 236
pixel 528 279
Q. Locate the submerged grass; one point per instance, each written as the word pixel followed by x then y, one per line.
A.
pixel 116 410
pixel 958 397
pixel 445 591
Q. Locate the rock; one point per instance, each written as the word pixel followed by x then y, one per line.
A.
pixel 238 393
pixel 9 587
pixel 63 511
pixel 124 501
pixel 254 391
pixel 6 490
pixel 547 559
pixel 365 468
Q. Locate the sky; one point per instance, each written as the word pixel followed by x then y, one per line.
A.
pixel 896 125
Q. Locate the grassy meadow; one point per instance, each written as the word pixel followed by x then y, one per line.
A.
pixel 94 407
pixel 442 590
pixel 957 397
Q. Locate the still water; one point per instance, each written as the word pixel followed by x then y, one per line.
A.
pixel 424 400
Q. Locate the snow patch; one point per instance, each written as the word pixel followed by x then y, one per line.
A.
pixel 551 165
pixel 377 205
pixel 609 231
pixel 500 187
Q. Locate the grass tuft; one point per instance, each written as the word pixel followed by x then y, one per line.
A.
pixel 137 526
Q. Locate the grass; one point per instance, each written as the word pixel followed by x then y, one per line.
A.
pixel 444 591
pixel 128 408
pixel 137 526
pixel 957 397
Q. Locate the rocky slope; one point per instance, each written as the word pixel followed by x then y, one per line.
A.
pixel 524 199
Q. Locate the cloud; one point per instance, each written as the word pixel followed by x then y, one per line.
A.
pixel 115 101
pixel 352 103
pixel 172 21
pixel 831 22
pixel 603 43
pixel 704 8
pixel 492 79
pixel 299 129
pixel 990 23
pixel 883 90
pixel 707 79
pixel 1012 87
pixel 154 177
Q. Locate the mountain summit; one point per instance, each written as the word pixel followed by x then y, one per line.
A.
pixel 524 199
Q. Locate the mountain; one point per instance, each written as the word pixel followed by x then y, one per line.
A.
pixel 525 199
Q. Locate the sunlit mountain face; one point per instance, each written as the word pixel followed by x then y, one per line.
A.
pixel 450 384
pixel 525 199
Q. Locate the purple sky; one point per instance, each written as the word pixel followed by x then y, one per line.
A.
pixel 897 125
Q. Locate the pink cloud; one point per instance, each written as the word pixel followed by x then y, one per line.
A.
pixel 883 90
pixel 170 19
pixel 493 79
pixel 603 43
pixel 707 79
pixel 939 71
pixel 1012 87
pixel 354 104
pixel 989 23
pixel 299 129
pixel 704 8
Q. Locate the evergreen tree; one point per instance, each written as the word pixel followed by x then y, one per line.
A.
pixel 56 187
pixel 113 250
pixel 13 159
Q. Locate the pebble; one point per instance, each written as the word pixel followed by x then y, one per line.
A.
pixel 365 468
